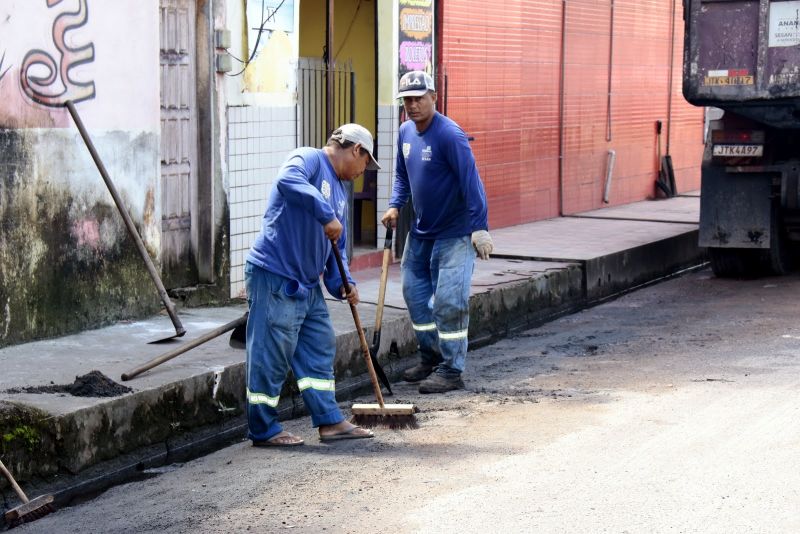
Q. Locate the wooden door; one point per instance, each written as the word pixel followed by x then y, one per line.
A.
pixel 178 143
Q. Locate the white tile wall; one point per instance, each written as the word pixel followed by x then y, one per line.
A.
pixel 259 140
pixel 388 124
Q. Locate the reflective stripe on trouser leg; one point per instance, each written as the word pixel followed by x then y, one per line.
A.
pixel 418 292
pixel 316 383
pixel 452 262
pixel 261 398
pixel 312 363
pixel 271 340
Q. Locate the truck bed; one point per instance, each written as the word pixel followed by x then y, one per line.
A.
pixel 744 56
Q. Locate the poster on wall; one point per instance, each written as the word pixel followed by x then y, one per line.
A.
pixel 784 23
pixel 415 38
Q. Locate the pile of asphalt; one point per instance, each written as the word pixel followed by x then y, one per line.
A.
pixel 92 384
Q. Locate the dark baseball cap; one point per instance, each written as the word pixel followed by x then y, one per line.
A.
pixel 415 83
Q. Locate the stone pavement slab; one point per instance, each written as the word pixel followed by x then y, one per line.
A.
pixel 677 209
pixel 579 239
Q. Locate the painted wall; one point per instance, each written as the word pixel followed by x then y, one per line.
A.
pixel 503 68
pixel 388 105
pixel 353 38
pixel 263 72
pixel 66 261
pixel 262 100
pixel 387 53
pixel 259 118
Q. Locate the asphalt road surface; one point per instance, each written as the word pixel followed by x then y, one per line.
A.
pixel 673 409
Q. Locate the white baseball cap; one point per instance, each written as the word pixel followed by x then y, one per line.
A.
pixel 415 83
pixel 355 133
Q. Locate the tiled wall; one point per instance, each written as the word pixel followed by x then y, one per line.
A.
pixel 258 141
pixel 388 121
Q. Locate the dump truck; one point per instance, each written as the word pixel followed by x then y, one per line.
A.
pixel 742 57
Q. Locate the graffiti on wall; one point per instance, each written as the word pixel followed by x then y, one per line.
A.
pixel 48 81
pixel 3 72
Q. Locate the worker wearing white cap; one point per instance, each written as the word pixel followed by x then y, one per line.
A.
pixel 288 324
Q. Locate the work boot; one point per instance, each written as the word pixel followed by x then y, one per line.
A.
pixel 418 372
pixel 437 383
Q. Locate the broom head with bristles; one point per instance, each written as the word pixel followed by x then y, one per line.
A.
pixel 393 416
pixel 30 511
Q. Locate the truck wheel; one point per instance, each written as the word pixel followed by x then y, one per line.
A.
pixel 736 262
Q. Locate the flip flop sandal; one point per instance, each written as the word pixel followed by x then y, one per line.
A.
pixel 268 443
pixel 348 434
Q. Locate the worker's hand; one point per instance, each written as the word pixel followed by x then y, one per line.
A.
pixel 333 230
pixel 389 219
pixel 351 297
pixel 482 242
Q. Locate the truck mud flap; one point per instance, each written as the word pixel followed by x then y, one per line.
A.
pixel 735 209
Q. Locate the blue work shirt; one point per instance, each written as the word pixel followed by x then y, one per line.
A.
pixel 307 194
pixel 438 168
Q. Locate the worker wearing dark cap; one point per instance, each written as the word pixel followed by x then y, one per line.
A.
pixel 436 167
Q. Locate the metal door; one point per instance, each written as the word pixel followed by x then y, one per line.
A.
pixel 178 143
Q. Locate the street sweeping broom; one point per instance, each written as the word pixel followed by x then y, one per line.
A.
pixel 395 416
pixel 29 510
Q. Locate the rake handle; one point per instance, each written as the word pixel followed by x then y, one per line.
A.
pixel 361 337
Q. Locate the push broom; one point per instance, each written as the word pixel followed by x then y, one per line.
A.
pixel 29 510
pixel 393 416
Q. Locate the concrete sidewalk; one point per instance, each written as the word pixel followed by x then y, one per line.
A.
pixel 538 271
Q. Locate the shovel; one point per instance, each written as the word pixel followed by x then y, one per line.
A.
pixel 238 338
pixel 662 182
pixel 376 335
pixel 158 360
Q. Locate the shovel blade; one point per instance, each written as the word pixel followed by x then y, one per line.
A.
pixel 168 339
pixel 238 338
pixel 373 355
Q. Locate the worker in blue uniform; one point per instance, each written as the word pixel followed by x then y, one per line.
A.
pixel 436 167
pixel 289 325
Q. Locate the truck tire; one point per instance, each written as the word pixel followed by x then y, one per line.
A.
pixel 736 262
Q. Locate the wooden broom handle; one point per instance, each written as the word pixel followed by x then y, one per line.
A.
pixel 17 489
pixel 361 337
pixel 387 257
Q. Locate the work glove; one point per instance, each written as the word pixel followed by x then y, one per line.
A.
pixel 482 242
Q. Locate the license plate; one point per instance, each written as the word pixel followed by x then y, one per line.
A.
pixel 738 150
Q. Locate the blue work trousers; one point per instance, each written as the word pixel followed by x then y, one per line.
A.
pixel 287 328
pixel 436 277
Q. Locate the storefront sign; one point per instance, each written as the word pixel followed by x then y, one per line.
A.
pixel 415 44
